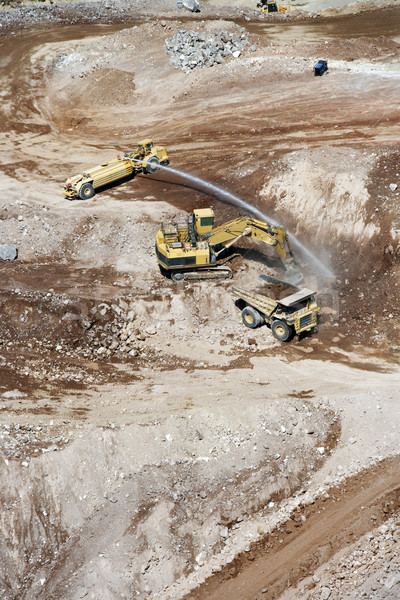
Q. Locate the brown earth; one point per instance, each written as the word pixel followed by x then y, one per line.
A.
pixel 133 401
pixel 296 548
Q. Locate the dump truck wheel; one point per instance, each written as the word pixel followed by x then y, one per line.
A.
pixel 86 191
pixel 251 317
pixel 153 165
pixel 281 330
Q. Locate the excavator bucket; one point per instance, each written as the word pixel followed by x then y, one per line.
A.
pixel 293 275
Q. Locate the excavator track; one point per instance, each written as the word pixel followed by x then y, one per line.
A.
pixel 203 274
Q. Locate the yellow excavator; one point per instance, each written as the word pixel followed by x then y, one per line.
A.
pixel 191 251
pixel 271 6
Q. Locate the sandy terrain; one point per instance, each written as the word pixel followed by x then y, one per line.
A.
pixel 151 445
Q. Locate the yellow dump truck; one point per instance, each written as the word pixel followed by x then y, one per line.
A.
pixel 147 158
pixel 287 316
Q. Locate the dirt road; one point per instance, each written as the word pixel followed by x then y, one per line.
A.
pixel 297 548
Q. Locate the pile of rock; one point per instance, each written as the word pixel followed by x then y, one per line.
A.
pixel 191 49
pixel 118 333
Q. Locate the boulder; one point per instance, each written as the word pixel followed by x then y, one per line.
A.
pixel 8 252
pixel 191 5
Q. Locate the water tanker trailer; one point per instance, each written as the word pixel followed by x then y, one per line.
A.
pixel 146 159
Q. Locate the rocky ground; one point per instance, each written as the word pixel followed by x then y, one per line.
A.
pixel 366 570
pixel 151 445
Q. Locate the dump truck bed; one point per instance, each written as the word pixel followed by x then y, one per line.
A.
pixel 262 303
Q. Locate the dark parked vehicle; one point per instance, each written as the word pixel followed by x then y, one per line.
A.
pixel 320 67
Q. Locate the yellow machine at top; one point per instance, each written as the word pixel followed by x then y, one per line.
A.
pixel 190 251
pixel 147 158
pixel 271 6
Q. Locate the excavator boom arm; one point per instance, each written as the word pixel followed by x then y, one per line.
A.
pixel 228 231
pixel 272 235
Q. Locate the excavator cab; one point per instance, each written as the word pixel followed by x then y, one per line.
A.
pixel 203 220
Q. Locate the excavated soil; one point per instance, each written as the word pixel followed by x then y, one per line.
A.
pixel 151 445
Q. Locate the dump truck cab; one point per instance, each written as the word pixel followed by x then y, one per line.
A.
pixel 298 311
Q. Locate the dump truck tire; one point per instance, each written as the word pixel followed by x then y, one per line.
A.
pixel 251 317
pixel 281 330
pixel 153 165
pixel 86 191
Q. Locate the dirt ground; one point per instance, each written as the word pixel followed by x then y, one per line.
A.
pixel 152 446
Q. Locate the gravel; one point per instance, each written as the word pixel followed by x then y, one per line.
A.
pixel 191 49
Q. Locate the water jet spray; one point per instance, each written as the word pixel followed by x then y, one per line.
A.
pixel 229 198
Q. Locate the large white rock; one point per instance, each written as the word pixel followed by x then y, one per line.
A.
pixel 8 251
pixel 191 5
